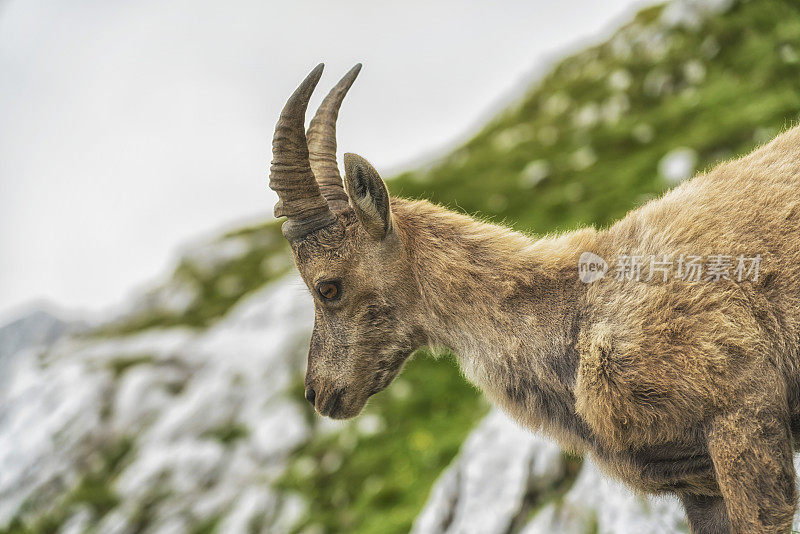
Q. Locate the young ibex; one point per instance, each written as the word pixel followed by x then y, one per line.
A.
pixel 673 384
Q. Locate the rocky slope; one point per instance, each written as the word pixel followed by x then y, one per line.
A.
pixel 508 480
pixel 168 429
pixel 185 413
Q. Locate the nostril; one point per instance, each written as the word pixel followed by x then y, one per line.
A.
pixel 311 395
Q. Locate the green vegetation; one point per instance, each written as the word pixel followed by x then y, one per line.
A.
pixel 120 365
pixel 209 525
pixel 583 146
pixel 228 433
pixel 92 492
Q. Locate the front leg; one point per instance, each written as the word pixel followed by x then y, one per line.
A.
pixel 752 453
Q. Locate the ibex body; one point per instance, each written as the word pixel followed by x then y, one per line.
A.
pixel 674 386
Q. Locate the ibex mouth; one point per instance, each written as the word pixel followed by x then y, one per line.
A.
pixel 331 406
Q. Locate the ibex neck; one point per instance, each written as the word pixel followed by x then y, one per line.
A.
pixel 508 306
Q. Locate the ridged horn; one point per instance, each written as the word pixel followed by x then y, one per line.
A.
pixel 322 142
pixel 299 197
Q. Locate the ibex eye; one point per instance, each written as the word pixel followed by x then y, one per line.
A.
pixel 329 290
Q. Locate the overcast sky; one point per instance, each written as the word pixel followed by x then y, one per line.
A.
pixel 128 128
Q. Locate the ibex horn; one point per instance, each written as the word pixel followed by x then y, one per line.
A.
pixel 299 197
pixel 322 142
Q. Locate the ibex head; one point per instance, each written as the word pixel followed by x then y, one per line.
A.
pixel 349 253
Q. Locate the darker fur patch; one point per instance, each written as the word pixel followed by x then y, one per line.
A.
pixel 378 315
pixel 768 280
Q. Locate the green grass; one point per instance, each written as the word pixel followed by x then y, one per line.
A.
pixel 207 526
pixel 92 490
pixel 228 433
pixel 122 364
pixel 748 91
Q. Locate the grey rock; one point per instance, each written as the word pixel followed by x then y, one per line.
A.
pixel 497 482
pixel 36 328
pixel 485 489
pixel 208 412
pixel 597 503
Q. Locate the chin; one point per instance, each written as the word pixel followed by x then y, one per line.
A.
pixel 346 412
pixel 342 408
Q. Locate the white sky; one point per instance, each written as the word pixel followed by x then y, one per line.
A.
pixel 127 128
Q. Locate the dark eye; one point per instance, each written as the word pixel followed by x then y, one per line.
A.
pixel 329 290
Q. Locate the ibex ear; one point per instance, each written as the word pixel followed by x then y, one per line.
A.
pixel 368 195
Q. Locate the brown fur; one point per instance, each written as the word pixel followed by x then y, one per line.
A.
pixel 688 388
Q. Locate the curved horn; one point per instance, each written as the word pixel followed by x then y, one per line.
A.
pixel 299 197
pixel 322 142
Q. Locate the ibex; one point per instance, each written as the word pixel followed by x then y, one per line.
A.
pixel 674 385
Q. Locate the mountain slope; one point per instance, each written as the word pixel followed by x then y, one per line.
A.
pixel 585 144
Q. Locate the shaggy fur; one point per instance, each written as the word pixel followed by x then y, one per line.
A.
pixel 691 388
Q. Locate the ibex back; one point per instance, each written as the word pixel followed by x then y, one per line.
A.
pixel 674 382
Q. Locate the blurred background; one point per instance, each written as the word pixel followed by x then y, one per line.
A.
pixel 152 328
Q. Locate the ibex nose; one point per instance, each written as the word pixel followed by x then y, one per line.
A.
pixel 311 395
